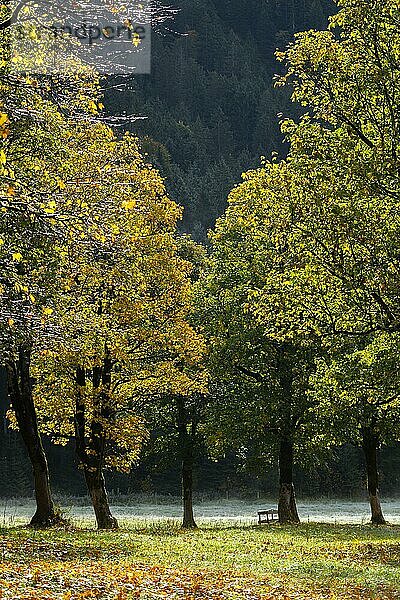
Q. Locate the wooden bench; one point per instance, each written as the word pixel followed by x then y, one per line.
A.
pixel 268 516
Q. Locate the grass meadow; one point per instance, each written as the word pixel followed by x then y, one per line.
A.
pixel 222 560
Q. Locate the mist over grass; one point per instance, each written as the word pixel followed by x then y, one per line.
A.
pixel 147 510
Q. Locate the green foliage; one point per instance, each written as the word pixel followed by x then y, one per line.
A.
pixel 344 161
pixel 36 114
pixel 243 300
pixel 123 302
pixel 306 255
pixel 358 388
pixel 343 192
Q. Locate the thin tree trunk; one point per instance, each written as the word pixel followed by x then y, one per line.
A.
pixel 187 493
pixel 90 448
pixel 287 508
pixel 20 392
pixel 370 444
pixel 186 443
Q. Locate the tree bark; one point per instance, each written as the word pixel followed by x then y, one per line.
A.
pixel 287 508
pixel 98 494
pixel 370 445
pixel 90 448
pixel 187 493
pixel 20 392
pixel 186 444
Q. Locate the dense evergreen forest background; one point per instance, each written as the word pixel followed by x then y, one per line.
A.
pixel 210 104
pixel 209 112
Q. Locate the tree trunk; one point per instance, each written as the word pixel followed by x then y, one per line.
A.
pixel 20 392
pixel 186 444
pixel 370 444
pixel 98 494
pixel 90 449
pixel 187 493
pixel 287 508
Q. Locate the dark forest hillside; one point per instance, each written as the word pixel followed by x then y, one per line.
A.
pixel 210 105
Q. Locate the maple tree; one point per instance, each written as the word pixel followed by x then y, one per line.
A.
pixel 322 293
pixel 125 296
pixel 245 301
pixel 177 419
pixel 35 115
pixel 343 189
pixel 29 228
pixel 96 295
pixel 177 422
